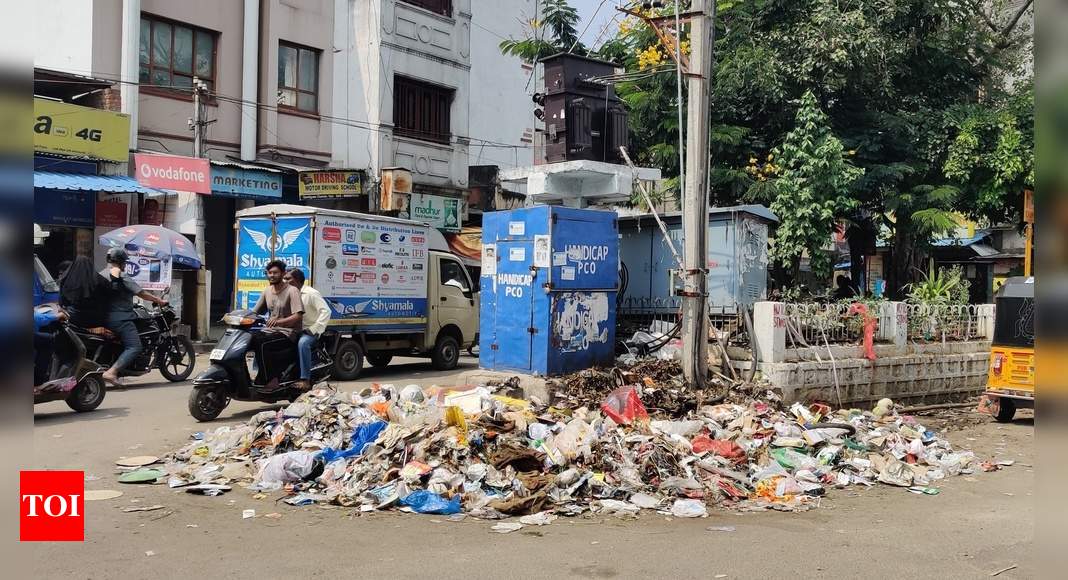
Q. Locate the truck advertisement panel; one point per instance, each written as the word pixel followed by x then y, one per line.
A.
pixel 372 273
pixel 260 240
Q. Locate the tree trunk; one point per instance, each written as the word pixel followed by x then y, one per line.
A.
pixel 902 259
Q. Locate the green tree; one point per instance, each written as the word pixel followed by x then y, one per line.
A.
pixel 920 90
pixel 553 30
pixel 812 189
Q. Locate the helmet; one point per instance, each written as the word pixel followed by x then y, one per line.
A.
pixel 117 256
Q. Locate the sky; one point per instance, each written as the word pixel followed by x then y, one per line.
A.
pixel 596 34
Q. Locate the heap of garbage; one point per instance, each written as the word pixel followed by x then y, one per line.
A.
pixel 478 451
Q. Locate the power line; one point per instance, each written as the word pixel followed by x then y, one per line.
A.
pixel 359 124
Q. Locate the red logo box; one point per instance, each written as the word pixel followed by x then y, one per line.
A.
pixel 332 234
pixel 51 506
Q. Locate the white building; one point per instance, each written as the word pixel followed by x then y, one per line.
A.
pixel 421 84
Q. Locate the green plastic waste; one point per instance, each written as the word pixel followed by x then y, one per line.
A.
pixel 141 476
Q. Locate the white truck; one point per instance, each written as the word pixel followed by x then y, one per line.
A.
pixel 392 285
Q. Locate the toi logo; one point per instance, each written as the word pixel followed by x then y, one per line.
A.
pixel 51 506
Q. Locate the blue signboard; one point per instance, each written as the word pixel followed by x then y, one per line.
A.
pixel 246 183
pixel 63 208
pixel 259 241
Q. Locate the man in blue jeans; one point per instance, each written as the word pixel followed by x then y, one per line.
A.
pixel 120 311
pixel 316 317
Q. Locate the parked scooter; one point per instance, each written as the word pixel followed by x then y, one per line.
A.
pixel 164 348
pixel 228 377
pixel 70 377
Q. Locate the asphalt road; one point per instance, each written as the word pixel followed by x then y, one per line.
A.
pixel 977 525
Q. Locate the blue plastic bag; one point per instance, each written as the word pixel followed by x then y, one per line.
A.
pixel 362 436
pixel 428 502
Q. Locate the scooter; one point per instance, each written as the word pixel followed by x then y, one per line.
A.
pixel 71 377
pixel 276 362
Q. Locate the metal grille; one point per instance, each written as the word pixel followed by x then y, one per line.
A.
pixel 941 323
pixel 634 314
pixel 815 324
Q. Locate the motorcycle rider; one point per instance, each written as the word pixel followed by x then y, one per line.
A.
pixel 82 291
pixel 282 302
pixel 120 312
pixel 316 317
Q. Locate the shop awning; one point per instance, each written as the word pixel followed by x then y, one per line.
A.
pixel 82 182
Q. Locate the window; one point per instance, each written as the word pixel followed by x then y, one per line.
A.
pixel 421 110
pixel 452 271
pixel 443 7
pixel 298 78
pixel 173 53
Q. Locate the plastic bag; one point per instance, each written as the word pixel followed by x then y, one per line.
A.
pixel 285 468
pixel 362 436
pixel 689 508
pixel 727 449
pixel 623 406
pixel 793 460
pixel 427 502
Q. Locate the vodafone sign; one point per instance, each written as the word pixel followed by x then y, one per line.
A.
pixel 173 172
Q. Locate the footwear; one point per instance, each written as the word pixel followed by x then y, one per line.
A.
pixel 302 385
pixel 111 378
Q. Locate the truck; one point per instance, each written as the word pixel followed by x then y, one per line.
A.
pixel 393 286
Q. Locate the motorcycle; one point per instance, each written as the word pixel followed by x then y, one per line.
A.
pixel 276 362
pixel 163 347
pixel 70 376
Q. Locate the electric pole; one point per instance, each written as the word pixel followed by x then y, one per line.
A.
pixel 695 218
pixel 197 124
pixel 697 67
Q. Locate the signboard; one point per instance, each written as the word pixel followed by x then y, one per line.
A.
pixel 75 130
pixel 330 184
pixel 173 172
pixel 111 214
pixel 442 213
pixel 248 183
pixel 372 272
pixel 259 241
pixel 63 208
pixel 150 273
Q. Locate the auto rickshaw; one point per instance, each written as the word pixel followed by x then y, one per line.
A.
pixel 1011 376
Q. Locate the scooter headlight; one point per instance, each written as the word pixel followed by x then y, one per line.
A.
pixel 235 320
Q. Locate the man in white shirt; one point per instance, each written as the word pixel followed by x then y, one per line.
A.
pixel 316 317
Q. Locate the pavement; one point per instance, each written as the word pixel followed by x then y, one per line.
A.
pixel 977 525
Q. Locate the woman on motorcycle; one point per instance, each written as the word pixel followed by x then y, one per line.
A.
pixel 120 313
pixel 82 293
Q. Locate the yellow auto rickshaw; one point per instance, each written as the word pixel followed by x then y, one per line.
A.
pixel 1011 376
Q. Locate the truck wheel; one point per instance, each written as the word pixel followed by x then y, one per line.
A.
pixel 348 360
pixel 446 353
pixel 88 394
pixel 1006 410
pixel 379 360
pixel 205 403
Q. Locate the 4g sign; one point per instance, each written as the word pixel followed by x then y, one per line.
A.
pixel 70 129
pixel 51 506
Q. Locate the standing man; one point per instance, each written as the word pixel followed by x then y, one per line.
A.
pixel 281 301
pixel 120 313
pixel 316 317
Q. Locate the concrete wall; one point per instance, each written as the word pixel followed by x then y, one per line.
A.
pixel 71 21
pixel 308 23
pixel 501 109
pixel 839 374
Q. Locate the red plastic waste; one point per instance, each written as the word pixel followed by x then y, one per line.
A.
pixel 870 323
pixel 726 449
pixel 623 406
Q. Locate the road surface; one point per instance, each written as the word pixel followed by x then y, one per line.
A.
pixel 976 526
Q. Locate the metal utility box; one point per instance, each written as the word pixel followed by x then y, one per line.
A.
pixel 549 281
pixel 737 258
pixel 584 118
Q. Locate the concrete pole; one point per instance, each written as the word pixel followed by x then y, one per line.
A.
pixel 129 63
pixel 250 59
pixel 201 323
pixel 695 218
